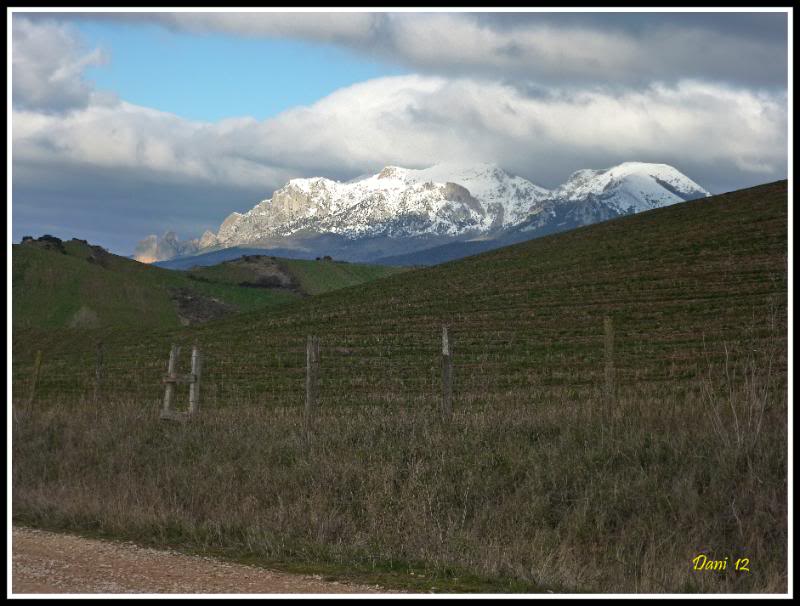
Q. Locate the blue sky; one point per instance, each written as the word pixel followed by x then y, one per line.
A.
pixel 131 124
pixel 213 76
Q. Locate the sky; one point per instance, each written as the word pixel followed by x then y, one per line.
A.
pixel 126 124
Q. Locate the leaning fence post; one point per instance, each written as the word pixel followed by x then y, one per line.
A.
pixel 170 388
pixel 608 327
pixel 35 377
pixel 98 371
pixel 312 373
pixel 447 376
pixel 194 386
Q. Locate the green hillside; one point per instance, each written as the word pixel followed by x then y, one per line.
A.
pixel 317 277
pixel 542 479
pixel 678 283
pixel 76 285
pixel 80 286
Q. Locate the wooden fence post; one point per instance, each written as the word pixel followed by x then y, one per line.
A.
pixel 169 391
pixel 98 371
pixel 312 373
pixel 194 386
pixel 35 376
pixel 447 376
pixel 608 339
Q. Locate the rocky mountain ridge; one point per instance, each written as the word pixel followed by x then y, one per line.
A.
pixel 417 208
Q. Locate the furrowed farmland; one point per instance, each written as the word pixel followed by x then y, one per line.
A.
pixel 619 406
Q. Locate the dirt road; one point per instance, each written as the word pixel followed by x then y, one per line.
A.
pixel 46 562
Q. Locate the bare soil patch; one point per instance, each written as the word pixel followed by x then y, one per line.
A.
pixel 194 308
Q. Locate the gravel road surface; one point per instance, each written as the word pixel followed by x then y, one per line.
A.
pixel 47 562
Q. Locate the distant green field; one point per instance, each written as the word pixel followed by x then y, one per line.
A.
pixel 317 277
pixel 541 480
pixel 309 277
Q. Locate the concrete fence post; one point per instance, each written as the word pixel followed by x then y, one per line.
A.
pixel 447 376
pixel 98 371
pixel 37 365
pixel 312 374
pixel 608 339
pixel 169 390
pixel 194 386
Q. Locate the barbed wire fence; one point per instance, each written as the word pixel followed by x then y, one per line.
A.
pixel 447 369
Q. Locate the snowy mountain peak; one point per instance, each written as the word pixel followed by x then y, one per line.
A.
pixel 630 186
pixel 444 201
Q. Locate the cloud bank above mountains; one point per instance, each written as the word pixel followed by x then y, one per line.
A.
pixel 415 121
pixel 538 98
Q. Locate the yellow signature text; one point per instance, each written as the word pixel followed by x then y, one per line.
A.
pixel 703 562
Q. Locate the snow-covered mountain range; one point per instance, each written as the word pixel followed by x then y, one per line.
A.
pixel 400 210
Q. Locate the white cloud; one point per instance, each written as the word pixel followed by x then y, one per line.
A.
pixel 48 61
pixel 417 121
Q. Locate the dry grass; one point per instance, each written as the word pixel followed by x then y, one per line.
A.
pixel 555 492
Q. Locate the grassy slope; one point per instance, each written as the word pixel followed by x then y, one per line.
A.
pixel 317 277
pixel 50 288
pixel 538 479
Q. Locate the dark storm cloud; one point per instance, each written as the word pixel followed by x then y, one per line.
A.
pixel 747 49
pixel 763 26
pixel 117 208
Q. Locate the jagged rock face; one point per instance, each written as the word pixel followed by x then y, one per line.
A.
pixel 229 227
pixel 208 239
pixel 456 193
pixel 153 248
pixel 442 201
pixel 291 202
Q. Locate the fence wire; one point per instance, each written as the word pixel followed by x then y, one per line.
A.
pixel 364 368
